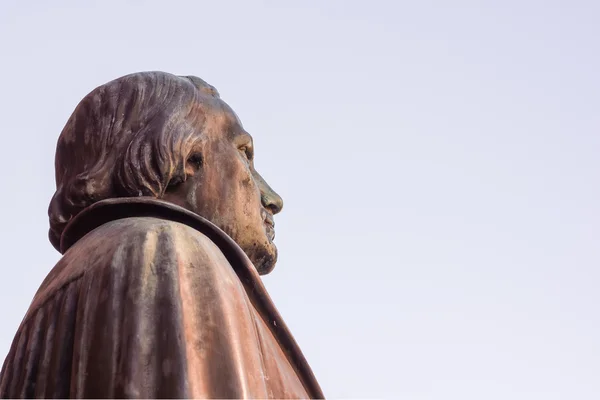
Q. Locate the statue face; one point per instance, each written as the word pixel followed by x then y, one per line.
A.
pixel 222 185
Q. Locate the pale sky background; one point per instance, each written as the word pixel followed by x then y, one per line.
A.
pixel 438 161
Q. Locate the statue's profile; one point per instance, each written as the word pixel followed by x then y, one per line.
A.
pixel 164 226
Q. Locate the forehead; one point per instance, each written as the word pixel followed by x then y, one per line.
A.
pixel 220 119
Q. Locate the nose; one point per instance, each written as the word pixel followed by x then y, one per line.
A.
pixel 268 197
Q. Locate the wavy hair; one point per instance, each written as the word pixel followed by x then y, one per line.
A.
pixel 129 137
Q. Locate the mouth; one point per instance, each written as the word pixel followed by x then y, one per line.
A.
pixel 269 225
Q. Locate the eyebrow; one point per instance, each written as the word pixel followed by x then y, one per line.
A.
pixel 242 137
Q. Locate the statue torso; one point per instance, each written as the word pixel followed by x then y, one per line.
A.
pixel 147 306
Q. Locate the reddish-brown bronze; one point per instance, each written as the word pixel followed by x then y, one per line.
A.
pixel 164 226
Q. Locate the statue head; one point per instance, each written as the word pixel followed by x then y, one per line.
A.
pixel 172 138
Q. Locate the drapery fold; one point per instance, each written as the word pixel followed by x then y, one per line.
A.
pixel 153 305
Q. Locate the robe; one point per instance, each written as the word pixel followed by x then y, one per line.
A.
pixel 153 301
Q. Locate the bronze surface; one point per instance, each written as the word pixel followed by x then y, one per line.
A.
pixel 164 226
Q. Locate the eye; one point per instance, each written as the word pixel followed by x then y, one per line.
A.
pixel 195 159
pixel 247 151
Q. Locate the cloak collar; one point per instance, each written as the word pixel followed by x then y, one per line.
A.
pixel 108 210
pixel 113 209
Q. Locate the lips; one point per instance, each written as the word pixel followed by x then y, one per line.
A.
pixel 269 225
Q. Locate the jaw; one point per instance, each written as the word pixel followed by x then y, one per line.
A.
pixel 263 257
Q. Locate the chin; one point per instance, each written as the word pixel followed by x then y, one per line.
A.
pixel 264 258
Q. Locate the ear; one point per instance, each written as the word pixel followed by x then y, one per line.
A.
pixel 193 164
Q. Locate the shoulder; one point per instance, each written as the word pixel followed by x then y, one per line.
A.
pixel 143 237
pixel 148 232
pixel 138 246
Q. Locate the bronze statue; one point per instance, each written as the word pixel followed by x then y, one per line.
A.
pixel 164 226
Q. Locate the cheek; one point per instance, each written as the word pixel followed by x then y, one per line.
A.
pixel 244 209
pixel 211 186
pixel 247 196
pixel 227 192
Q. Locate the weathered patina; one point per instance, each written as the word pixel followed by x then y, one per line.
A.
pixel 165 227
